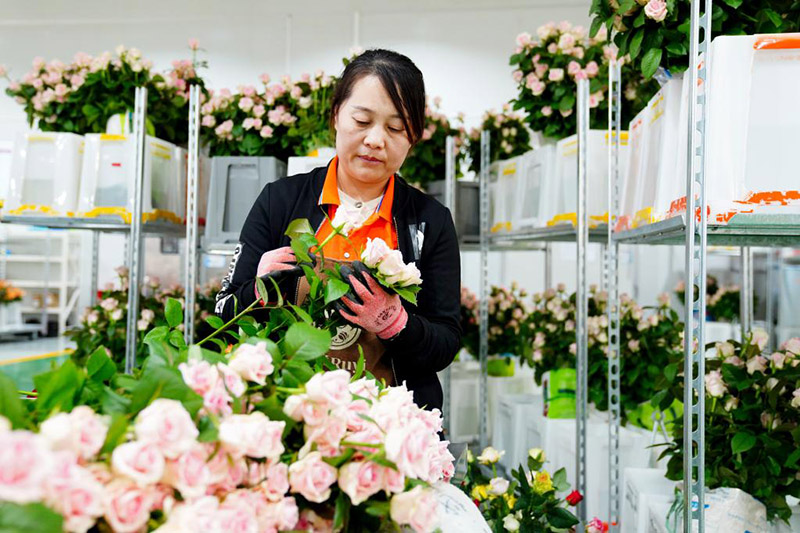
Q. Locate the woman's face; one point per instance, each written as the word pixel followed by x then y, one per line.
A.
pixel 371 141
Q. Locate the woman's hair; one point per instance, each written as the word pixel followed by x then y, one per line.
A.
pixel 399 76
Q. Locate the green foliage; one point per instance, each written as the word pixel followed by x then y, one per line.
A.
pixel 509 137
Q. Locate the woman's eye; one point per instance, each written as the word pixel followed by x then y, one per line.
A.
pixel 361 122
pixel 396 130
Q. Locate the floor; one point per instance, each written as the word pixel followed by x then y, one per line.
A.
pixel 21 360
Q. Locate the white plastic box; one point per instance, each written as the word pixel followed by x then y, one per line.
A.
pixel 108 176
pixel 45 174
pixel 753 120
pixel 509 427
pixel 634 174
pixel 597 178
pixel 503 177
pixel 642 485
pixel 536 187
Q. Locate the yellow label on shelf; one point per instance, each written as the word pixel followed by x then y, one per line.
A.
pixel 643 217
pixel 43 209
pixel 126 216
pixel 112 137
pixel 509 169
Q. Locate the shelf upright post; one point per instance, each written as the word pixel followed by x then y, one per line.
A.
pixel 695 303
pixel 46 290
pixel 613 302
pixel 772 288
pixel 582 299
pixel 548 265
pixel 95 261
pixel 191 214
pixel 484 291
pixel 135 239
pixel 450 203
pixel 746 294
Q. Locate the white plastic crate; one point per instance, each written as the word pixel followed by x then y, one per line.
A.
pixel 640 486
pixel 509 427
pixel 634 174
pixel 597 177
pixel 108 175
pixel 45 174
pixel 751 148
pixel 464 398
pixel 502 193
pixel 535 187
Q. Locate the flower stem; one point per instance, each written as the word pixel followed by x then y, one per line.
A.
pixel 360 444
pixel 28 393
pixel 290 390
pixel 231 321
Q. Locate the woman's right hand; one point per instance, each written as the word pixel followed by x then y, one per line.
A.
pixel 279 264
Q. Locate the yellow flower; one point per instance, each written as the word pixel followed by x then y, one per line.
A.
pixel 510 500
pixel 542 482
pixel 480 492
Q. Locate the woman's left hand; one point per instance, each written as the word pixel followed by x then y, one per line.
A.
pixel 379 312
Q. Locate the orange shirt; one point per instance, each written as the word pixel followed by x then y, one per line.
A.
pixel 378 225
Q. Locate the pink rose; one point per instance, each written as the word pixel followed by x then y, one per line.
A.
pixel 524 39
pixel 25 463
pixel 360 480
pixel 517 76
pixel 200 376
pixel 238 520
pixel 227 472
pixel 266 132
pixel 190 473
pixel 74 493
pixel 274 484
pixel 792 345
pixel 573 67
pixel 540 70
pixel 656 10
pixel 252 362
pixel 329 388
pixel 253 435
pixel 81 431
pixel 168 425
pixel 312 478
pixel 410 447
pixel 552 48
pixel 757 363
pixel 282 515
pixel 416 508
pixel 127 507
pixel 442 467
pixel 547 111
pixel 556 74
pixel 394 481
pixel 328 434
pixel 231 380
pixel 141 462
pixel 778 360
pixel 592 69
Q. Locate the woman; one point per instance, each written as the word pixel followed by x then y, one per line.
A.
pixel 378 114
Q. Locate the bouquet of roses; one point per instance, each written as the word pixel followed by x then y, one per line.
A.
pixel 752 417
pixel 509 137
pixel 548 69
pixel 81 96
pixel 9 293
pixel 527 502
pixel 656 32
pixel 427 159
pixel 258 437
pixel 251 122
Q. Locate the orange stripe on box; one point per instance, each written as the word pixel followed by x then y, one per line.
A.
pixel 786 41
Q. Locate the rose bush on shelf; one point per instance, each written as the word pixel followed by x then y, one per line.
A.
pixel 79 97
pixel 752 421
pixel 426 160
pixel 105 323
pixel 548 67
pixel 470 331
pixel 530 501
pixel 9 293
pixel 509 137
pixel 656 32
pixel 264 436
pixel 722 303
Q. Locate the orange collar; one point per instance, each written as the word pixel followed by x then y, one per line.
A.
pixel 330 192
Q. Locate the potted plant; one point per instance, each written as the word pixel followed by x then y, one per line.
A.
pixel 10 306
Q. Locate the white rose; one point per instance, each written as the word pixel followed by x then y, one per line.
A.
pixel 725 349
pixel 498 486
pixel 375 251
pixel 141 462
pixel 490 456
pixel 760 338
pixel 82 431
pixel 252 362
pixel 715 386
pixel 253 435
pixel 510 523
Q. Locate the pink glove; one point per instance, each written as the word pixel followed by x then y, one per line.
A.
pixel 381 313
pixel 275 261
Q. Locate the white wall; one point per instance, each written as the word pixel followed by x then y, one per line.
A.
pixel 462 48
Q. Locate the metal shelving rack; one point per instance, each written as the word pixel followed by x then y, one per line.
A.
pixel 696 234
pixel 136 229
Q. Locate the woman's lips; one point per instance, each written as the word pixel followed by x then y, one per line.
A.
pixel 370 160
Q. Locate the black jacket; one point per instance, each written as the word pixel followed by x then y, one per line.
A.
pixel 425 234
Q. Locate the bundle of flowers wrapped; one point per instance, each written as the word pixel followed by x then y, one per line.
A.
pixel 509 137
pixel 752 419
pixel 547 69
pixel 105 323
pixel 649 340
pixel 426 160
pixel 529 501
pixel 656 32
pixel 9 293
pixel 79 97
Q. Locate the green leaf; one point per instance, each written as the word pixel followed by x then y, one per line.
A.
pixel 651 62
pixel 341 513
pixel 306 342
pixel 173 312
pixel 742 442
pixel 215 321
pixel 304 316
pixel 10 403
pixel 300 249
pixel 360 365
pixel 791 461
pixel 408 294
pixel 734 3
pixel 15 518
pixel 208 431
pixel 116 432
pixel 335 289
pixel 560 480
pixel 773 16
pixel 636 43
pixel 298 227
pixel 164 382
pixel 59 391
pixel 670 372
pixel 597 23
pixel 561 518
pixel 99 366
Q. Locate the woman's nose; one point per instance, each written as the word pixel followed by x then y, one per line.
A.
pixel 375 138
